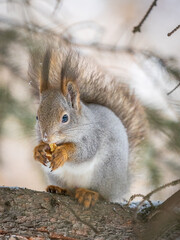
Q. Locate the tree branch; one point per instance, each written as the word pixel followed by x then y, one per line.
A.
pixel 138 27
pixel 32 214
pixel 174 30
pixel 173 89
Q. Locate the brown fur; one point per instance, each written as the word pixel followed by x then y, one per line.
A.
pixel 62 154
pixel 94 87
pixel 57 159
pixel 44 79
pixel 68 86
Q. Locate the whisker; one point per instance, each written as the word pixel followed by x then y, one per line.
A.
pixel 83 125
pixel 68 132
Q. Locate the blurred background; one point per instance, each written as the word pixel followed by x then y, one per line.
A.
pixel 148 61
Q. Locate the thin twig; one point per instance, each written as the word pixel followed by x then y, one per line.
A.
pixel 173 183
pixel 99 46
pixel 138 27
pixel 56 6
pixel 138 195
pixel 173 89
pixel 174 30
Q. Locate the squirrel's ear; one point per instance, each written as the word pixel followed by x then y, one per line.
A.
pixel 45 71
pixel 71 92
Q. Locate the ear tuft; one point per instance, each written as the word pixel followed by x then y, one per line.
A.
pixel 45 71
pixel 71 93
pixel 69 76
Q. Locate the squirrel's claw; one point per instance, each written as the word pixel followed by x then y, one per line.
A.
pixel 40 153
pixel 56 189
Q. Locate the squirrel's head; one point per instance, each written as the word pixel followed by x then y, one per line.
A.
pixel 60 108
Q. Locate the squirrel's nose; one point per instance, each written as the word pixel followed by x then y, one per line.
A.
pixel 45 138
pixel 48 139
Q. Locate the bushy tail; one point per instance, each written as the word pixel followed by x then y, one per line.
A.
pixel 110 92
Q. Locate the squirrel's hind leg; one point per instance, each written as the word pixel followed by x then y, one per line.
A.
pixel 56 189
pixel 86 197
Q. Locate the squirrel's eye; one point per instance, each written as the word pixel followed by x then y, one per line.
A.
pixel 65 118
pixel 36 117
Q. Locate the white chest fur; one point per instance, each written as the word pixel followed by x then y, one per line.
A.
pixel 73 176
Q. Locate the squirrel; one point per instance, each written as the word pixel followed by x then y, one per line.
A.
pixel 94 120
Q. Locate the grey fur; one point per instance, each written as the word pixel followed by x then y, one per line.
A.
pixel 98 134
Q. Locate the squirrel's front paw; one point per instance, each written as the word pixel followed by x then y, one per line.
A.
pixel 86 197
pixel 59 157
pixel 62 154
pixel 40 153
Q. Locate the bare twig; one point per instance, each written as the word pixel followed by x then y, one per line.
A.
pixel 99 46
pixel 173 89
pixel 173 183
pixel 58 2
pixel 138 27
pixel 174 30
pixel 138 195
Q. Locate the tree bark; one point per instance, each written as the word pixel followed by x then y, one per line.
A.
pixel 35 214
pixel 27 214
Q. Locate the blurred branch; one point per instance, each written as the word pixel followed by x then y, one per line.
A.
pixel 10 106
pixel 56 6
pixel 138 27
pixel 174 30
pixel 99 46
pixel 169 128
pixel 173 89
